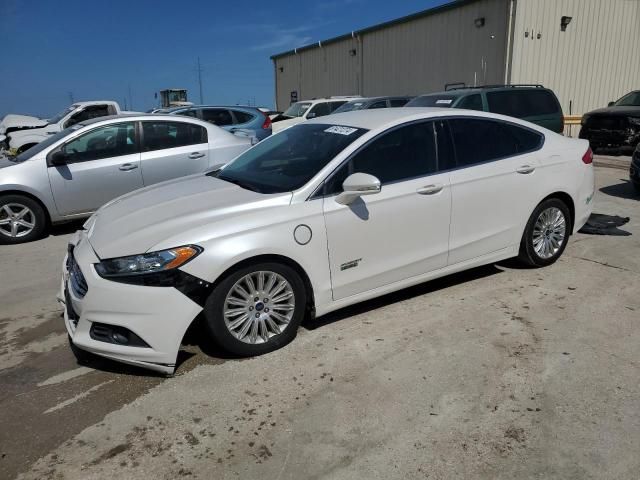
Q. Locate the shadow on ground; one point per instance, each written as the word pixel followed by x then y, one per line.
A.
pixel 622 190
pixel 402 295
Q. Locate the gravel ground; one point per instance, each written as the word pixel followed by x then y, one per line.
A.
pixel 496 373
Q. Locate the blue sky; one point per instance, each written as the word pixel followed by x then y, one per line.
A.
pixel 98 50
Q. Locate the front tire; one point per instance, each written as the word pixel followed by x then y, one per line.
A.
pixel 256 309
pixel 546 234
pixel 22 219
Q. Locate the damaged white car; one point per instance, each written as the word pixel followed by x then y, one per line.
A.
pixel 323 215
pixel 21 132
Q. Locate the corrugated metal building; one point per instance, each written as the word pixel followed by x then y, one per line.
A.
pixel 588 61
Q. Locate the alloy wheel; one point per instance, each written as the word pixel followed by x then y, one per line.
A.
pixel 549 232
pixel 16 220
pixel 259 306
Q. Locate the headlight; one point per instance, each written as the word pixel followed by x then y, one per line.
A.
pixel 152 262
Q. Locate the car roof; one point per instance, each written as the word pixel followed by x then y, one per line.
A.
pixel 460 91
pixel 143 116
pixel 384 117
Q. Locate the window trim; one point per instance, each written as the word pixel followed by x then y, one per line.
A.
pixel 141 136
pixel 138 143
pixel 543 139
pixel 318 192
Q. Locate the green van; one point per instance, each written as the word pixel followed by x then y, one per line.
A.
pixel 533 103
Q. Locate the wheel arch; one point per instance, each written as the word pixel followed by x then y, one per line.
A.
pixel 275 258
pixel 568 201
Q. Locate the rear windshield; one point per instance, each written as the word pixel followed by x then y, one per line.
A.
pixel 288 160
pixel 443 101
pixel 349 106
pixel 523 103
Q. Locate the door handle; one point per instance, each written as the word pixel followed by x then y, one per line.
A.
pixel 430 189
pixel 128 166
pixel 196 155
pixel 526 169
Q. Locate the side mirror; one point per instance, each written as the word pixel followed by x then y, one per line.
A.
pixel 356 185
pixel 311 115
pixel 611 104
pixel 58 158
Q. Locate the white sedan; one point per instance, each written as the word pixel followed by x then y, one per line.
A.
pixel 323 215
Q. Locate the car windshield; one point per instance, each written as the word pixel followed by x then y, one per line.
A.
pixel 27 154
pixel 59 116
pixel 629 100
pixel 297 109
pixel 443 101
pixel 288 160
pixel 349 106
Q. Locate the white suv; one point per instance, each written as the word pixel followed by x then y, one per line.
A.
pixel 306 110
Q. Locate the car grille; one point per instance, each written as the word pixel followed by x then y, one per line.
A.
pixel 76 278
pixel 608 123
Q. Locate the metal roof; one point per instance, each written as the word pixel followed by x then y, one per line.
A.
pixel 379 26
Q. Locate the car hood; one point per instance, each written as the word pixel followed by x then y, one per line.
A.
pixel 20 121
pixel 615 111
pixel 138 221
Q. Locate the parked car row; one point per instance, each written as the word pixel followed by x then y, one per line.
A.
pixel 325 214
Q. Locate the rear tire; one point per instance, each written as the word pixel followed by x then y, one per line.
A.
pixel 546 234
pixel 22 219
pixel 256 309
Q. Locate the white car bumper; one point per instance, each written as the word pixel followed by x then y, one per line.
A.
pixel 158 316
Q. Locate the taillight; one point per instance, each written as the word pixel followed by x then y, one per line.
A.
pixel 267 122
pixel 587 158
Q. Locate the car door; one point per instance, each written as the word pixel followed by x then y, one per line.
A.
pixel 101 164
pixel 401 232
pixel 172 149
pixel 494 186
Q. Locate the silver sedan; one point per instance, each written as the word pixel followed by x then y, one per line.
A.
pixel 74 172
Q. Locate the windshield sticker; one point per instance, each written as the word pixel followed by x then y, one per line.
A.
pixel 341 130
pixel 443 102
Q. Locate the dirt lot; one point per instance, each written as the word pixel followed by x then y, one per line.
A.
pixel 499 372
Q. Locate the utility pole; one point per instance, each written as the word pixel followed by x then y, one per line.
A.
pixel 200 81
pixel 71 97
pixel 130 100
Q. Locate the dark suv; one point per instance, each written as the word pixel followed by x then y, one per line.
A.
pixel 614 130
pixel 533 103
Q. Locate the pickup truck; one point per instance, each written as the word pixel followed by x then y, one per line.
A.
pixel 20 132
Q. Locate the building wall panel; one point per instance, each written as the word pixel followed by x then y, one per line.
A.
pixel 597 58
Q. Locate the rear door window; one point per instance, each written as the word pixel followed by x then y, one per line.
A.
pixel 523 103
pixel 380 104
pixel 471 102
pixel 162 134
pixel 479 140
pixel 398 102
pixel 217 116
